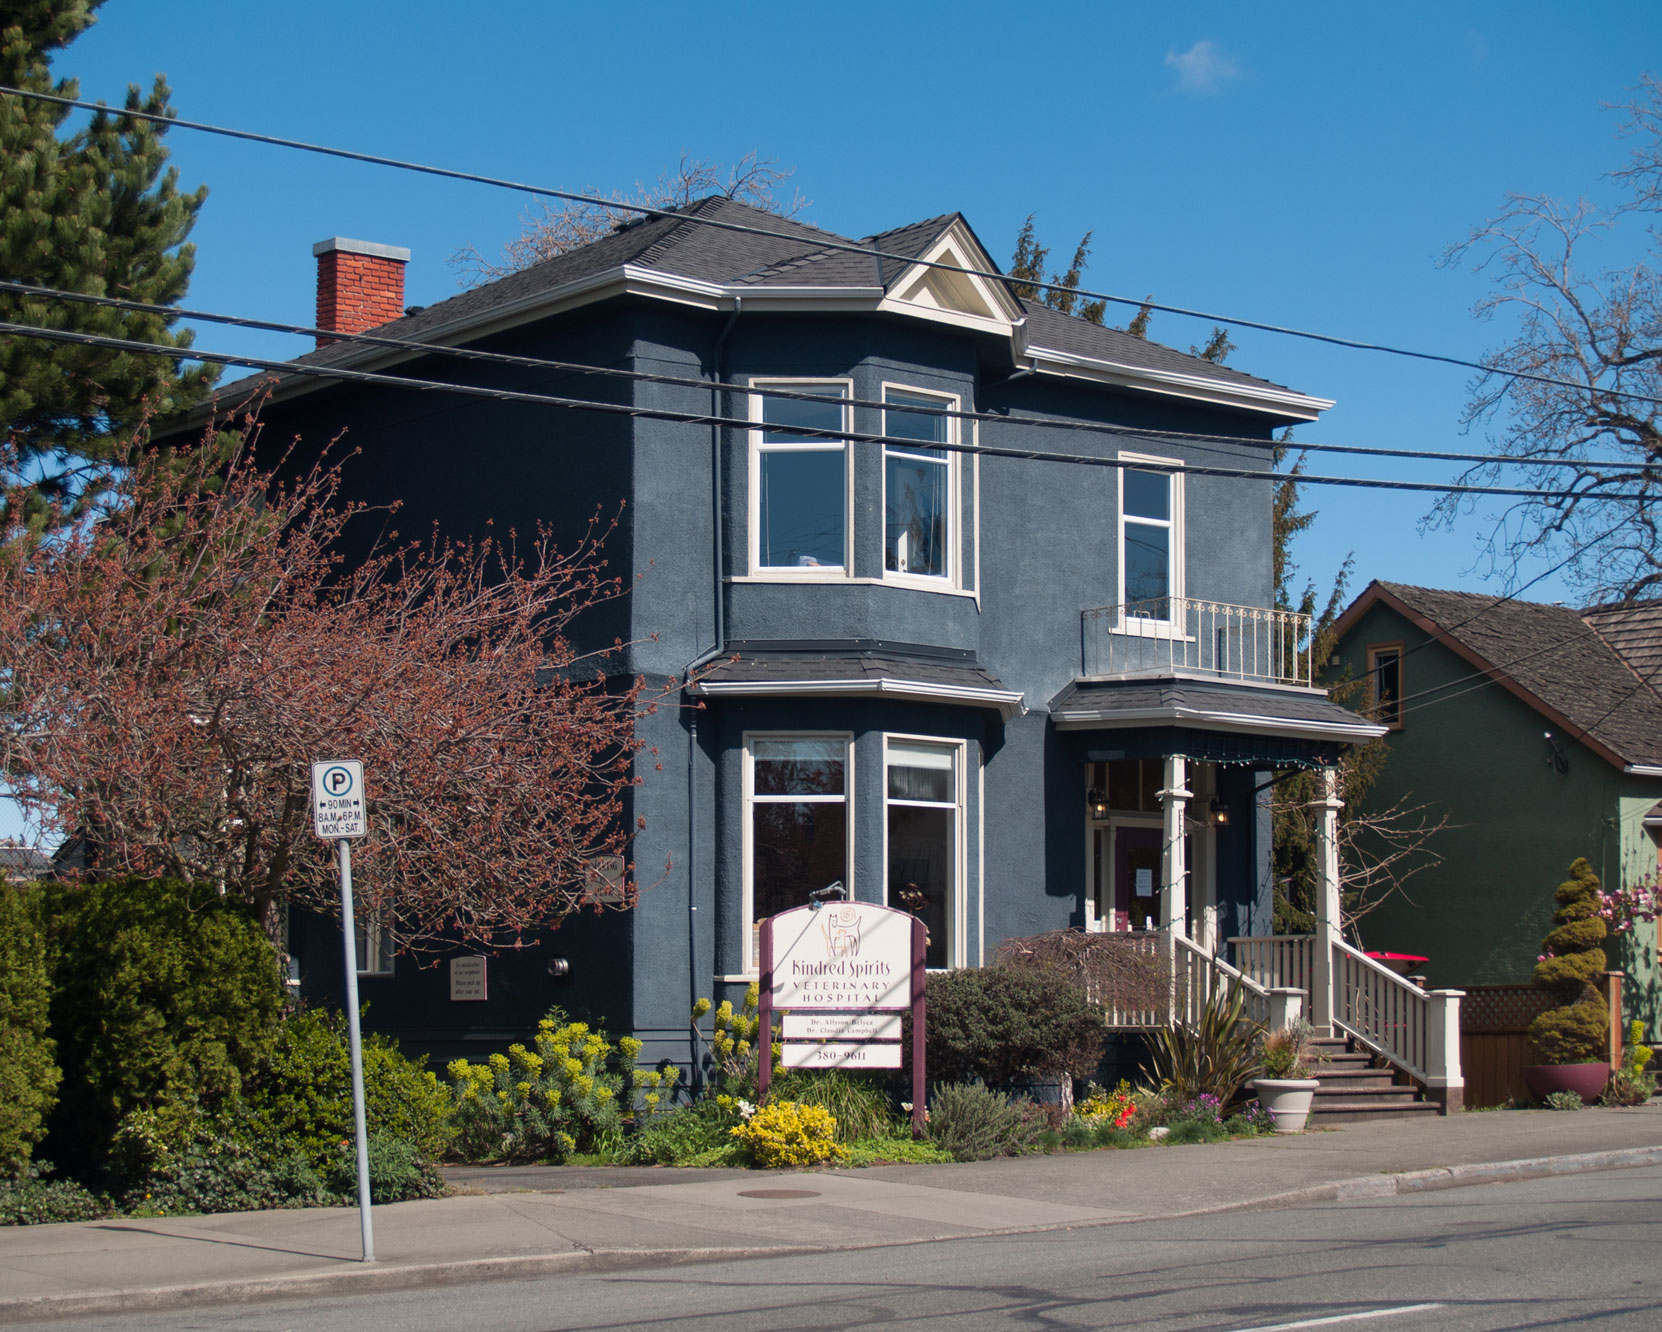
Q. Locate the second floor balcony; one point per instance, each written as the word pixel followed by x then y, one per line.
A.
pixel 1165 636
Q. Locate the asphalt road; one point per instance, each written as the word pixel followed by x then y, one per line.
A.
pixel 1578 1251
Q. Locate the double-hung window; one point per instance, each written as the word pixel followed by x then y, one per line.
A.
pixel 1151 542
pixel 799 480
pixel 925 820
pixel 1385 683
pixel 918 490
pixel 375 944
pixel 796 792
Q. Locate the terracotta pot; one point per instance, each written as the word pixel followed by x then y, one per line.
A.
pixel 1585 1080
pixel 1287 1100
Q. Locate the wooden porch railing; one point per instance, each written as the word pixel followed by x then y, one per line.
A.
pixel 1197 975
pixel 1278 961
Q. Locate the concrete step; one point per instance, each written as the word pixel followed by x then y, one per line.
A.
pixel 1360 1079
pixel 1354 1112
pixel 1387 1095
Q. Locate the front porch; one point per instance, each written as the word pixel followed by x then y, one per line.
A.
pixel 1183 716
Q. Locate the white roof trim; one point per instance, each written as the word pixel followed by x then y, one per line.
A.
pixel 1205 719
pixel 1643 770
pixel 1253 397
pixel 1008 701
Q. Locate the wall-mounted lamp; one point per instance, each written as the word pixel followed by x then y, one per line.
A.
pixel 1097 803
pixel 558 967
pixel 1559 760
pixel 1217 813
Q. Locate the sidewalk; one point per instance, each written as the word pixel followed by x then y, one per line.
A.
pixel 533 1220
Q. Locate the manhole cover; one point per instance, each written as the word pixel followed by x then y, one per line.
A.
pixel 777 1193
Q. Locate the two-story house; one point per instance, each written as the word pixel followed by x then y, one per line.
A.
pixel 979 593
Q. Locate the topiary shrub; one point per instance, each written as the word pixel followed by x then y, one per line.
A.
pixel 300 1100
pixel 1572 954
pixel 162 993
pixel 29 1073
pixel 1005 1024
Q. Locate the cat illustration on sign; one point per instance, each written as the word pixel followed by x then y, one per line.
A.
pixel 841 927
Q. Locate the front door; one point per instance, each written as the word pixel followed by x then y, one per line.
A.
pixel 1136 877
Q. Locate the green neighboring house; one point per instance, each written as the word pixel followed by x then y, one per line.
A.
pixel 1539 730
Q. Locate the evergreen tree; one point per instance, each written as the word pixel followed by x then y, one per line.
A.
pixel 93 210
pixel 1027 274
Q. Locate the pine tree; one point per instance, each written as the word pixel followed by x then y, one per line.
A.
pixel 93 210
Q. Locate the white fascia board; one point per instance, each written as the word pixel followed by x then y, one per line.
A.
pixel 940 315
pixel 1643 770
pixel 1008 701
pixel 1252 397
pixel 1198 719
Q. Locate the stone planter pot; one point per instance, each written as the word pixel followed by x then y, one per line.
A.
pixel 1287 1100
pixel 1585 1080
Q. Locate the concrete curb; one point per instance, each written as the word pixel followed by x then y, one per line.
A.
pixel 369 1277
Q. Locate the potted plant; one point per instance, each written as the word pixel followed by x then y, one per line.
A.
pixel 1568 1041
pixel 1286 1088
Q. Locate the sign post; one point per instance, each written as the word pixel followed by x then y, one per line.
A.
pixel 338 815
pixel 842 973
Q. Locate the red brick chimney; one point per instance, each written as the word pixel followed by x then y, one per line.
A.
pixel 360 285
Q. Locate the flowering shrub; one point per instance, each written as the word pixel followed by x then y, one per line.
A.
pixel 1250 1118
pixel 1632 1084
pixel 784 1133
pixel 560 1097
pixel 1625 907
pixel 1203 1109
pixel 1115 1109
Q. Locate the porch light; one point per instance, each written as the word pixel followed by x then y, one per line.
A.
pixel 1098 802
pixel 1217 813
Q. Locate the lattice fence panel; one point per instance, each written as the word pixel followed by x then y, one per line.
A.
pixel 1502 1007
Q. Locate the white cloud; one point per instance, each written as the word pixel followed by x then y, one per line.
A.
pixel 1204 68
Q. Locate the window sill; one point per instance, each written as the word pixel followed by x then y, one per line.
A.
pixel 939 586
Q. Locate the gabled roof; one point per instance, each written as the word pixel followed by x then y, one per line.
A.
pixel 1558 660
pixel 781 263
pixel 1634 629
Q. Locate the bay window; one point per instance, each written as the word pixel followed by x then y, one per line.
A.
pixel 799 482
pixel 796 828
pixel 918 494
pixel 924 823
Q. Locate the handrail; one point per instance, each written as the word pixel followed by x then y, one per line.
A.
pixel 1198 973
pixel 1160 635
pixel 1377 1007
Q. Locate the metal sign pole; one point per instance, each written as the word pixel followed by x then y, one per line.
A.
pixel 349 932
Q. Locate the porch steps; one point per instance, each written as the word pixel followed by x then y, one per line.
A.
pixel 1357 1086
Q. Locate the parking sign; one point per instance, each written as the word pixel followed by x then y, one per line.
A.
pixel 338 808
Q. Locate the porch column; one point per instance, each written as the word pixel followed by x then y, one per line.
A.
pixel 1327 898
pixel 1174 870
pixel 1445 1084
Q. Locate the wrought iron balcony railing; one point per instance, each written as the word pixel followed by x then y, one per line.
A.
pixel 1166 635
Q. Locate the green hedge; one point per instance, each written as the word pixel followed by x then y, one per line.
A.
pixel 1004 1024
pixel 29 1073
pixel 164 995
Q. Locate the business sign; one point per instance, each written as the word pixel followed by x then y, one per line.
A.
pixel 467 980
pixel 845 955
pixel 338 808
pixel 841 974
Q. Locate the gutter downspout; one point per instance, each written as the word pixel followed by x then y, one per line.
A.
pixel 719 563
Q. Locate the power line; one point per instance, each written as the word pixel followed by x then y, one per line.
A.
pixel 686 381
pixel 828 243
pixel 711 419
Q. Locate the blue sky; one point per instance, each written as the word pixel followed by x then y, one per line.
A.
pixel 1304 164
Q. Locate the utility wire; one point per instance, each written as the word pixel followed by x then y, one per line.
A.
pixel 828 243
pixel 708 419
pixel 783 391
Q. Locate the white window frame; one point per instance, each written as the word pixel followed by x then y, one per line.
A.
pixel 953 577
pixel 374 945
pixel 747 930
pixel 958 907
pixel 1137 625
pixel 755 390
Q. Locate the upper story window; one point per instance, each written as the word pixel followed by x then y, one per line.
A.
pixel 1151 540
pixel 918 490
pixel 796 824
pixel 799 482
pixel 1385 683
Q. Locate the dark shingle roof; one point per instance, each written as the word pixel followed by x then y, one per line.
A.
pixel 792 253
pixel 806 667
pixel 1634 629
pixel 18 863
pixel 1557 656
pixel 1191 698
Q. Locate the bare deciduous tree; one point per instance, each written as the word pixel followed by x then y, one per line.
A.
pixel 553 227
pixel 179 653
pixel 1580 280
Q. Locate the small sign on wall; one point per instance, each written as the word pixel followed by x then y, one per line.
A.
pixel 467 979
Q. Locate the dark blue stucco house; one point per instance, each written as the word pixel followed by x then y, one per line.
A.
pixel 1012 694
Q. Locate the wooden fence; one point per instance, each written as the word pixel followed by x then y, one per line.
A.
pixel 1494 1021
